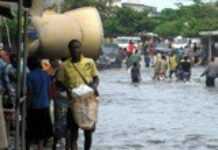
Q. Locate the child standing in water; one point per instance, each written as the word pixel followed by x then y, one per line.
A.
pixel 135 73
pixel 163 68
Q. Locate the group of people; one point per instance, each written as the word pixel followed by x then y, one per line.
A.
pixel 177 63
pixel 166 66
pixel 53 80
pixel 7 94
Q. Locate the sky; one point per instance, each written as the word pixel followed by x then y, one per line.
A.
pixel 161 4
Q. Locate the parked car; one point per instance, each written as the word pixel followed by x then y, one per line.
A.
pixel 163 48
pixel 122 41
pixel 180 42
pixel 110 57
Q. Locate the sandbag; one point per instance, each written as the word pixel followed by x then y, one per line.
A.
pixel 56 30
pixel 84 109
pixel 91 28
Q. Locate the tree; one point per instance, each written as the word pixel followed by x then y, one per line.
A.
pixel 71 4
pixel 186 20
pixel 197 2
pixel 126 21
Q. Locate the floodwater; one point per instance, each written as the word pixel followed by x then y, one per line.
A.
pixel 156 115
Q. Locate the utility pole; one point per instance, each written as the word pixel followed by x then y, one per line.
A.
pixel 18 73
pixel 24 88
pixel 210 42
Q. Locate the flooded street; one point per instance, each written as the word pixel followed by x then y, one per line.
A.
pixel 166 115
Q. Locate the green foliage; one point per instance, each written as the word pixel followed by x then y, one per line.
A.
pixel 8 32
pixel 188 20
pixel 71 4
pixel 126 21
pixel 116 21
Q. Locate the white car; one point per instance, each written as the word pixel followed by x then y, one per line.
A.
pixel 123 41
pixel 180 43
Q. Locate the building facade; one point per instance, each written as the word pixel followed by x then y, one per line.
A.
pixel 136 5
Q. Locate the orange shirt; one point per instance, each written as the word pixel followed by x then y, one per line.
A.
pixel 131 48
